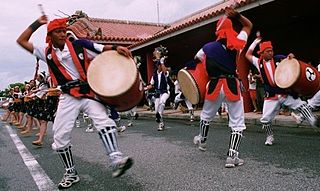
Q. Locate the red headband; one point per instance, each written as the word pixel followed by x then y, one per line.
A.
pixel 55 24
pixel 264 46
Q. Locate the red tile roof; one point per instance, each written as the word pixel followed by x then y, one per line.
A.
pixel 114 30
pixel 135 33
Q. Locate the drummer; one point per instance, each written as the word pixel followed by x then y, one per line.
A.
pixel 220 59
pixel 66 62
pixel 159 82
pixel 274 96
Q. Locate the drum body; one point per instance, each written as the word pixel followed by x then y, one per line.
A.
pixel 26 99
pixel 53 92
pixel 193 83
pixel 115 80
pixel 298 77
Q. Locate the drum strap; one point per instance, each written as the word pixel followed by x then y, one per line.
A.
pixel 263 69
pixel 268 76
pixel 60 75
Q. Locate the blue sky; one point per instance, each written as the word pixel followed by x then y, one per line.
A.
pixel 17 65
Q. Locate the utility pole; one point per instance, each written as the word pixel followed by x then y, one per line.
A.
pixel 158 12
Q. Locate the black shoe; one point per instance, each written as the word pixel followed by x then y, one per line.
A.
pixel 158 117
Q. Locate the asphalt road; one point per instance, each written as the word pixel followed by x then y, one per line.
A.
pixel 168 160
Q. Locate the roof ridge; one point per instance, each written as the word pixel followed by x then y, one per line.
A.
pixel 198 12
pixel 126 22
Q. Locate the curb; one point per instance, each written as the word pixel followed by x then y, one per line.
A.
pixel 284 121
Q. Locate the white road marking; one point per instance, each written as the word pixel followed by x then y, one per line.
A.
pixel 40 177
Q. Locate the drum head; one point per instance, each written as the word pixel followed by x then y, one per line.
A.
pixel 111 74
pixel 287 73
pixel 189 86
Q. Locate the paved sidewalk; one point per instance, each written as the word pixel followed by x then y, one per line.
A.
pixel 250 118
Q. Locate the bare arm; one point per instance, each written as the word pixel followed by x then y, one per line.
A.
pixel 249 53
pixel 120 49
pixel 148 87
pixel 290 56
pixel 163 67
pixel 23 39
pixel 246 23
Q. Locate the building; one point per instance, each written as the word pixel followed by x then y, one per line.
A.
pixel 290 25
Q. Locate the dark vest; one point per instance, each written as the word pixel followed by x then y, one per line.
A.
pixel 268 87
pixel 219 61
pixel 163 83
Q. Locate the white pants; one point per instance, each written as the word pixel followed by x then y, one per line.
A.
pixel 68 109
pixel 178 99
pixel 132 111
pixel 236 111
pixel 315 100
pixel 271 108
pixel 160 103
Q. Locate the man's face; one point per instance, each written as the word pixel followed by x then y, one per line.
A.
pixel 157 54
pixel 267 54
pixel 32 83
pixel 59 37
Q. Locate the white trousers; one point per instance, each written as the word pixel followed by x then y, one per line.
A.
pixel 271 108
pixel 178 99
pixel 236 111
pixel 68 109
pixel 160 103
pixel 315 100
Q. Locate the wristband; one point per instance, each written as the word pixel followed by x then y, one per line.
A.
pixel 35 25
pixel 114 47
pixel 237 15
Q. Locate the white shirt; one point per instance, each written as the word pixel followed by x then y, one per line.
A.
pixel 65 58
pixel 17 95
pixel 252 86
pixel 176 87
pixel 42 90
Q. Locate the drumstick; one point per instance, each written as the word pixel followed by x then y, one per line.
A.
pixel 41 9
pixel 258 34
pixel 233 5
